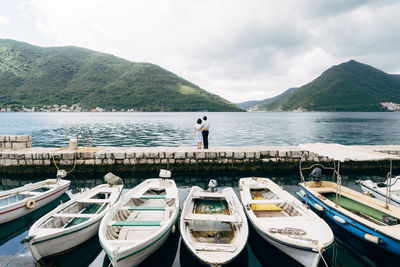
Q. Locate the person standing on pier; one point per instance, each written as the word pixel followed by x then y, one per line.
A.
pixel 205 132
pixel 198 133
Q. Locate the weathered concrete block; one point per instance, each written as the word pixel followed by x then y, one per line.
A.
pixel 273 153
pixel 89 161
pixel 192 161
pixel 239 155
pixel 157 161
pixel 98 162
pixel 18 145
pixel 100 155
pixel 282 154
pixel 21 162
pixel 8 145
pixel 212 155
pixel 257 155
pixel 222 154
pixel 12 138
pixel 171 161
pixel 250 155
pixel 127 161
pixel 109 155
pixel 296 154
pixel 130 155
pixel 29 161
pixel 229 154
pixel 179 161
pixel 38 162
pixel 200 155
pixel 119 155
pixel 133 161
pixel 22 138
pixel 180 155
pixel 110 161
pixel 162 155
pixel 139 155
pixel 68 155
pixel 168 155
pixel 150 161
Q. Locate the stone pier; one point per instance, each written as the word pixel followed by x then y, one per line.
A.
pixel 24 159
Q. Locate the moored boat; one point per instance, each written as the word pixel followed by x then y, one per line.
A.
pixel 373 222
pixel 213 225
pixel 140 222
pixel 73 222
pixel 283 221
pixel 380 190
pixel 20 201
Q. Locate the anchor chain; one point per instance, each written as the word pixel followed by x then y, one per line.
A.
pixel 293 233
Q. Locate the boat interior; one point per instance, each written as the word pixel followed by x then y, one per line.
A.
pixel 74 214
pixel 140 217
pixel 358 205
pixel 211 221
pixel 12 198
pixel 272 206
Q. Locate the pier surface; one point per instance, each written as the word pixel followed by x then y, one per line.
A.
pixel 22 158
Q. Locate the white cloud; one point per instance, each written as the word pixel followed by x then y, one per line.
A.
pixel 238 49
pixel 4 20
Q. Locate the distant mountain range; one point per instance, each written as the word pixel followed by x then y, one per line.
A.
pixel 33 76
pixel 350 86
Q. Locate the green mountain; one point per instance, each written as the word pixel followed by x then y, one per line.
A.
pixel 257 104
pixel 350 86
pixel 37 76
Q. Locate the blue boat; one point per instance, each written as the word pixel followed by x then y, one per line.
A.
pixel 373 222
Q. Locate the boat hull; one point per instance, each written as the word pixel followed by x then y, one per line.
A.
pixel 62 242
pixel 379 195
pixel 134 258
pixel 19 209
pixel 351 225
pixel 306 257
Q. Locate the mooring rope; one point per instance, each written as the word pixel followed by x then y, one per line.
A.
pixel 16 255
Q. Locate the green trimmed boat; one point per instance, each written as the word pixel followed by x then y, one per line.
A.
pixel 140 222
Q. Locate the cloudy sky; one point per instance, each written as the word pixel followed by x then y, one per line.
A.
pixel 240 50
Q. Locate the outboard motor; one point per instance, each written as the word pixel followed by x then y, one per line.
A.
pixel 212 185
pixel 316 174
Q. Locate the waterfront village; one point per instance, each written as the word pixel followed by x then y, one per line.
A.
pixel 63 108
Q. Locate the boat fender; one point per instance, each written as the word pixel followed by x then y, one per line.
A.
pixel 30 204
pixel 302 193
pixel 373 239
pixel 339 219
pixel 173 229
pixel 318 207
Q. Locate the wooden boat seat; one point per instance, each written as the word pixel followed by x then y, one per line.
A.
pixel 153 197
pixel 144 208
pixel 136 223
pixel 275 213
pixel 94 201
pixel 214 247
pixel 324 189
pixel 211 217
pixel 74 215
pixel 204 194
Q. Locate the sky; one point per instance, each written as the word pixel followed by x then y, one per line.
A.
pixel 239 50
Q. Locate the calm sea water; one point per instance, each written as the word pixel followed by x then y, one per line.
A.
pixel 177 129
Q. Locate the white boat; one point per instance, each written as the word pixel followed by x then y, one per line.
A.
pixel 140 222
pixel 20 201
pixel 379 190
pixel 72 223
pixel 284 221
pixel 213 225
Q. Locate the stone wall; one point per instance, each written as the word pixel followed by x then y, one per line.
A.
pixel 284 159
pixel 15 142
